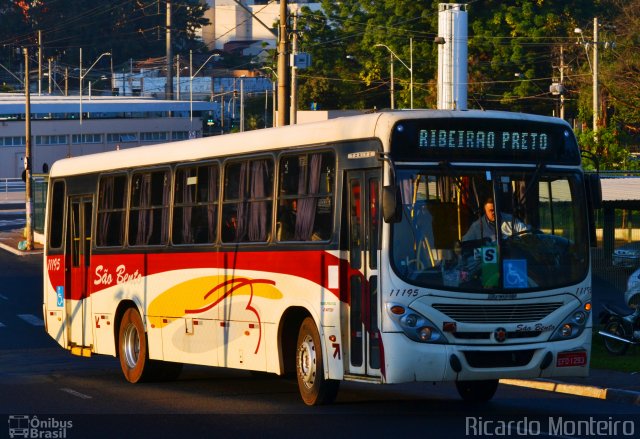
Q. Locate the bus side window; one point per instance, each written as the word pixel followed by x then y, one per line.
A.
pixel 149 213
pixel 248 197
pixel 196 205
pixel 56 227
pixel 111 210
pixel 306 197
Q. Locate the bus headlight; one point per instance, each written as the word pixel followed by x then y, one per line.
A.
pixel 415 326
pixel 573 325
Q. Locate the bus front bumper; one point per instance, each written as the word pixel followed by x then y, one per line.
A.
pixel 406 360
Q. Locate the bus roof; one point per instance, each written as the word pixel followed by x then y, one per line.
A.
pixel 340 129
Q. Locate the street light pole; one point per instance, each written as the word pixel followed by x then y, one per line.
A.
pixel 392 88
pixel 191 76
pixel 408 67
pixel 82 76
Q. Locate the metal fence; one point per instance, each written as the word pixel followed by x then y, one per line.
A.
pixel 39 198
pixel 625 220
pixel 12 189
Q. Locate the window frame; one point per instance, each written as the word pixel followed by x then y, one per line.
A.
pixel 297 196
pixel 164 232
pixel 224 202
pixel 216 201
pixel 125 208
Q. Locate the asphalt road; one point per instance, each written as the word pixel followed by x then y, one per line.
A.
pixel 42 385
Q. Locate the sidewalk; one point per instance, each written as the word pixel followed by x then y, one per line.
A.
pixel 610 385
pixel 10 240
pixel 12 200
pixel 619 387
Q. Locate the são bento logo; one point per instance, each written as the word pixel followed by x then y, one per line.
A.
pixel 34 427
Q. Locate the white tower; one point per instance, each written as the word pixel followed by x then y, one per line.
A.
pixel 452 56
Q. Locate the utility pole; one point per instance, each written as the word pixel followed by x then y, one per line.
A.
pixel 27 156
pixel 595 76
pixel 241 105
pixel 39 63
pixel 284 90
pixel 294 72
pixel 169 87
pixel 178 74
pixel 50 75
pixel 392 88
pixel 562 82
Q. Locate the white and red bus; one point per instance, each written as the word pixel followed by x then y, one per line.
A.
pixel 334 251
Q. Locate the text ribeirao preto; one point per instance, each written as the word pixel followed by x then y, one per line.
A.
pixel 476 139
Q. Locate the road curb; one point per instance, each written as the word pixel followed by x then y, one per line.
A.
pixel 19 252
pixel 609 394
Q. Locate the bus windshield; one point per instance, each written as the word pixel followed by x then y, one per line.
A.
pixel 499 231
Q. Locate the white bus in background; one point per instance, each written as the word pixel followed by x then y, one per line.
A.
pixel 334 251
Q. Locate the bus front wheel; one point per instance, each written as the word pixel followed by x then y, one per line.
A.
pixel 315 389
pixel 477 391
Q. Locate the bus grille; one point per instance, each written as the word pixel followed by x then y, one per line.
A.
pixel 530 312
pixel 489 359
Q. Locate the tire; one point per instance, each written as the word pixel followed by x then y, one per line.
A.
pixel 477 391
pixel 615 347
pixel 314 388
pixel 134 354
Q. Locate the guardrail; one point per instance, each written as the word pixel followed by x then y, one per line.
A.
pixel 12 188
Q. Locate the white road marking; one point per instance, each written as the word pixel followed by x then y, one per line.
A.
pixel 12 223
pixel 3 297
pixel 75 393
pixel 31 319
pixel 2 325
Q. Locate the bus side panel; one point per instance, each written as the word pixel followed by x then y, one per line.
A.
pixel 180 302
pixel 114 279
pixel 54 315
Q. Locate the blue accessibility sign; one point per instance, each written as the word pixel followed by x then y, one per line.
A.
pixel 60 296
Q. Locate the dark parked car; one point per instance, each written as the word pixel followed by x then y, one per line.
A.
pixel 627 255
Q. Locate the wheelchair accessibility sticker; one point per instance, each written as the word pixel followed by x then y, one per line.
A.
pixel 515 273
pixel 60 296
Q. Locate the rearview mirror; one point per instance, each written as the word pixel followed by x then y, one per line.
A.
pixel 391 203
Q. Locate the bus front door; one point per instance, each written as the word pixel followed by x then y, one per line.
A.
pixel 363 226
pixel 79 262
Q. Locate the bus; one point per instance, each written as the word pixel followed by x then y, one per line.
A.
pixel 330 251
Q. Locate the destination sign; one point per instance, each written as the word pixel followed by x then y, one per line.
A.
pixel 469 139
pixel 485 140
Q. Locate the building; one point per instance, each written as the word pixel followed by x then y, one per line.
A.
pixel 108 123
pixel 232 22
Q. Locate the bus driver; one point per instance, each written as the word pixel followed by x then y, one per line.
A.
pixel 485 226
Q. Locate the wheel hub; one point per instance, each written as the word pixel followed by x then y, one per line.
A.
pixel 307 361
pixel 131 345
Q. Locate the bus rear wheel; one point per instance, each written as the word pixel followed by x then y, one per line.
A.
pixel 134 354
pixel 477 391
pixel 314 388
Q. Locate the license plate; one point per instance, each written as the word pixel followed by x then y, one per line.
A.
pixel 571 359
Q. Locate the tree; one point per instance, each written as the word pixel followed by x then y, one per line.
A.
pixel 349 71
pixel 620 74
pixel 523 38
pixel 128 29
pixel 505 38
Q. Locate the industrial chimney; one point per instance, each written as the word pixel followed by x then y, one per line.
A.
pixel 452 56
